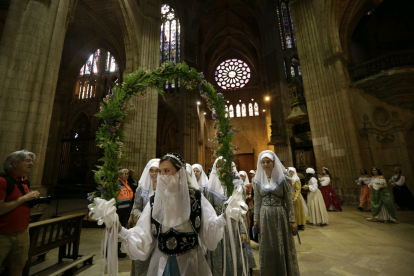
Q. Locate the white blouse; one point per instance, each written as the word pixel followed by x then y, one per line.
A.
pixel 363 180
pixel 399 182
pixel 378 183
pixel 313 184
pixel 325 181
pixel 139 242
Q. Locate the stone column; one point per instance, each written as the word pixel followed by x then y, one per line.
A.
pixel 141 124
pixel 30 54
pixel 334 126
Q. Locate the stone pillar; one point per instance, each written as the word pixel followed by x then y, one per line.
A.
pixel 189 117
pixel 334 127
pixel 30 54
pixel 141 125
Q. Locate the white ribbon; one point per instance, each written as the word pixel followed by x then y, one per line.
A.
pixel 105 212
pixel 236 207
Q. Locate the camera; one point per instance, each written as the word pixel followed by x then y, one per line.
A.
pixel 41 200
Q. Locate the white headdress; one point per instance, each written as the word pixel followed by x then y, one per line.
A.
pixel 295 176
pixel 252 171
pixel 214 184
pixel 146 182
pixel 277 176
pixel 310 170
pixel 193 178
pixel 246 180
pixel 203 181
pixel 172 200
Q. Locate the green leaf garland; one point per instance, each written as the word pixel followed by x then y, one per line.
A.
pixel 115 107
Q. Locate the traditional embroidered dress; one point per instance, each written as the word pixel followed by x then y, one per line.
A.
pixel 274 211
pixel 140 268
pixel 402 195
pixel 365 192
pixel 329 195
pixel 217 196
pixel 382 206
pixel 172 223
pixel 316 204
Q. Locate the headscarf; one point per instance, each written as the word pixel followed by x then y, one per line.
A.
pixel 146 182
pixel 214 184
pixel 193 178
pixel 246 180
pixel 172 200
pixel 277 176
pixel 295 176
pixel 203 181
pixel 252 171
pixel 310 170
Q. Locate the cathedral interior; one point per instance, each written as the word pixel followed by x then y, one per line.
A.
pixel 322 83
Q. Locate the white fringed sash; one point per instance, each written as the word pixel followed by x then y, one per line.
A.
pixel 105 212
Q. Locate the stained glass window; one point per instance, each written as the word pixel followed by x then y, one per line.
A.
pixel 227 110
pixel 286 28
pixel 243 110
pixel 284 65
pixel 295 68
pixel 96 62
pixel 87 79
pixel 256 109
pixel 238 111
pixel 170 40
pixel 88 65
pixel 232 73
pixel 231 111
pixel 251 109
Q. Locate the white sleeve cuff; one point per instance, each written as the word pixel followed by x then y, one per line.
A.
pixel 123 233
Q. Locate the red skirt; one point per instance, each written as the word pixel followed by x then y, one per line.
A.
pixel 330 198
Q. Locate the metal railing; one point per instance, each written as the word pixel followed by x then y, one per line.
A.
pixel 383 63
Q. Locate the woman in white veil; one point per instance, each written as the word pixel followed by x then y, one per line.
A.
pixel 193 177
pixel 177 216
pixel 273 212
pixel 216 193
pixel 201 177
pixel 299 206
pixel 146 188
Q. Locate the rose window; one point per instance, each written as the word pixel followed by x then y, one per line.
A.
pixel 232 73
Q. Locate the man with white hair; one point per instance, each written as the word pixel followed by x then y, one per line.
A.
pixel 15 210
pixel 125 198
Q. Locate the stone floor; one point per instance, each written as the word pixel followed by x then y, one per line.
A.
pixel 349 245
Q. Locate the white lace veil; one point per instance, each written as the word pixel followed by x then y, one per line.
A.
pixel 172 200
pixel 203 181
pixel 277 177
pixel 246 180
pixel 193 178
pixel 295 176
pixel 214 184
pixel 146 182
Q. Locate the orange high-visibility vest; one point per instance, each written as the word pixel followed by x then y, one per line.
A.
pixel 125 193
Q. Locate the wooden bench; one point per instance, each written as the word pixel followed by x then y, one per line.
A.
pixel 63 232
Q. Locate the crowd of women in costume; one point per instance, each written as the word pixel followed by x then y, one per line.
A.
pixel 184 230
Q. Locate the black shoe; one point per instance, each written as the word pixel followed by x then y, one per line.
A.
pixel 121 254
pixel 360 208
